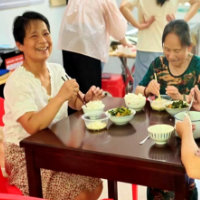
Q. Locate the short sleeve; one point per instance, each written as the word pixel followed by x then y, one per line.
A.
pixel 116 24
pixel 134 3
pixel 19 98
pixel 148 76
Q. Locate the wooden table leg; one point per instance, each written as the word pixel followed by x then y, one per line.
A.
pixel 112 190
pixel 34 177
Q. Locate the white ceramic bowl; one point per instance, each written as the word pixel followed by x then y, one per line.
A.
pixel 96 121
pixel 159 105
pixel 195 119
pixel 88 110
pixel 135 103
pixel 122 120
pixel 174 111
pixel 160 133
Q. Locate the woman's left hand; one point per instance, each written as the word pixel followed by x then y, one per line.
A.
pixel 94 93
pixel 173 93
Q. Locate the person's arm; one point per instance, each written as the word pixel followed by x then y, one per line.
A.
pixel 190 160
pixel 38 120
pixel 126 8
pixel 116 24
pixel 33 119
pixel 195 5
pixel 188 148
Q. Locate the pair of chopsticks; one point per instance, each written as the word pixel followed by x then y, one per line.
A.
pixel 157 81
pixel 78 95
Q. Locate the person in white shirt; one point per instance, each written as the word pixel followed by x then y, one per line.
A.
pixel 152 18
pixel 35 98
pixel 84 37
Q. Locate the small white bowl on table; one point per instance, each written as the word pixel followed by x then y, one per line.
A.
pixel 92 107
pixel 195 119
pixel 174 111
pixel 136 102
pixel 96 121
pixel 159 105
pixel 122 120
pixel 160 133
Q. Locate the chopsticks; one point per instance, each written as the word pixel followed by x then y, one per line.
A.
pixel 157 81
pixel 78 95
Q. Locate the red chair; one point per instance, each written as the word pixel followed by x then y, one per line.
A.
pixel 6 188
pixel 17 197
pixel 1 111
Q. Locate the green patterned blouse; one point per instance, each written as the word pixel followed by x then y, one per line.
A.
pixel 184 82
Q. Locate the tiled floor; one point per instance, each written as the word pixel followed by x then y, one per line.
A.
pixel 125 192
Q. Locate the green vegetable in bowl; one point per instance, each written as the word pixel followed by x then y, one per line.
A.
pixel 178 104
pixel 120 112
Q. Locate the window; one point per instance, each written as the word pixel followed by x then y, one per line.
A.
pixel 5 4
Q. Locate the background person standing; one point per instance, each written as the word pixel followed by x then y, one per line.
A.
pixel 152 18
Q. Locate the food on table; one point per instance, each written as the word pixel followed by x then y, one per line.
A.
pixel 120 112
pixel 94 104
pixel 177 104
pixel 158 104
pixel 134 97
pixel 96 125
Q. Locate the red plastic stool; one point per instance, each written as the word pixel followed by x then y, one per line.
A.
pixel 6 188
pixel 114 84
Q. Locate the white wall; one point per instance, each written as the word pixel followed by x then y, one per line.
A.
pixel 53 14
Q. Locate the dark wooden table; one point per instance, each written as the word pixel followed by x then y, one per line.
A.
pixel 114 154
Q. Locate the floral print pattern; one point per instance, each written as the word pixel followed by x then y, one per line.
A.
pixel 55 185
pixel 184 83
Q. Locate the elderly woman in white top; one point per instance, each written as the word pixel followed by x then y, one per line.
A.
pixel 152 18
pixel 36 97
pixel 84 37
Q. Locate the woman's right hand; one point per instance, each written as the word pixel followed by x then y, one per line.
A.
pixel 184 127
pixel 146 23
pixel 196 93
pixel 153 88
pixel 68 90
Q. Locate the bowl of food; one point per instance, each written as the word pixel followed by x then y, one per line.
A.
pixel 96 121
pixel 195 119
pixel 158 103
pixel 121 115
pixel 93 106
pixel 174 107
pixel 160 133
pixel 136 102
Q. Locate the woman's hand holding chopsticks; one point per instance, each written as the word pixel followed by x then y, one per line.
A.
pixel 153 88
pixel 68 90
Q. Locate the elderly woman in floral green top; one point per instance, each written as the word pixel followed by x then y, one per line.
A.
pixel 178 71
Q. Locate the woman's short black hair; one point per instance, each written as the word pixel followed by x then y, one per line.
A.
pixel 21 23
pixel 179 28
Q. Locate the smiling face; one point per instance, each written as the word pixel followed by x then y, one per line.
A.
pixel 37 45
pixel 175 53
